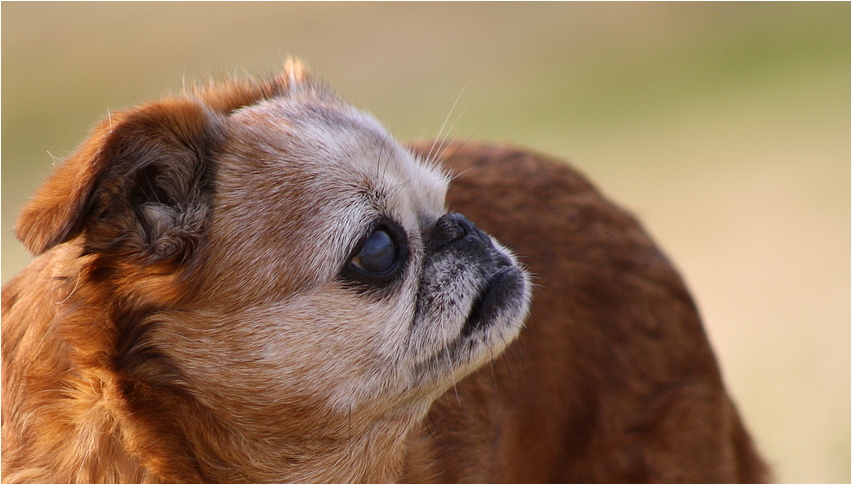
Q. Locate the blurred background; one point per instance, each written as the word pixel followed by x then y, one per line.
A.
pixel 724 126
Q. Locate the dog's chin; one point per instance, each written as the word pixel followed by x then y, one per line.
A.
pixel 498 302
pixel 494 320
pixel 496 317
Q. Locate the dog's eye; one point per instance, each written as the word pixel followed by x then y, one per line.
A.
pixel 380 258
pixel 378 255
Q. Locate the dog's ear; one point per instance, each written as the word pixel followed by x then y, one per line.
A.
pixel 139 187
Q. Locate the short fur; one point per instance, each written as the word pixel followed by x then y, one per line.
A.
pixel 613 379
pixel 187 319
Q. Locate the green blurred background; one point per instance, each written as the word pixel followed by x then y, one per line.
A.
pixel 724 126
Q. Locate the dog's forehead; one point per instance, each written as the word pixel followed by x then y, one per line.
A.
pixel 335 147
pixel 309 178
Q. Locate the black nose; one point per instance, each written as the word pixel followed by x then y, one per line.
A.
pixel 455 227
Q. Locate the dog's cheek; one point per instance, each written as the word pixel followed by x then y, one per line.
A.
pixel 324 348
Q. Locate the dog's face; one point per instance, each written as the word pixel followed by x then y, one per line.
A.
pixel 331 257
pixel 274 257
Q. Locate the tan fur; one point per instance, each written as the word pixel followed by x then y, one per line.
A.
pixel 186 320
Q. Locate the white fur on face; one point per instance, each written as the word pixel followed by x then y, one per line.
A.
pixel 321 174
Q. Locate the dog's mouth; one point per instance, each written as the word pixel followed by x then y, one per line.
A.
pixel 493 320
pixel 471 304
pixel 503 291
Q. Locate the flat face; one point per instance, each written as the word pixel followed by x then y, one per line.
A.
pixel 325 286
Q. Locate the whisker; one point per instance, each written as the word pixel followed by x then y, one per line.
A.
pixel 399 186
pixel 382 148
pixel 451 365
pixel 426 422
pixel 522 357
pixel 429 155
pixel 441 145
pixel 457 175
pixel 504 357
pixel 453 376
pixel 458 146
pixel 494 377
pixel 511 391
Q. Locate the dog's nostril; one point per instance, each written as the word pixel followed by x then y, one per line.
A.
pixel 453 226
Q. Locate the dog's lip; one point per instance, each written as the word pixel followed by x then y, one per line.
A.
pixel 499 287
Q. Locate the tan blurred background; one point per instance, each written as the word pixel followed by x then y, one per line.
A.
pixel 724 126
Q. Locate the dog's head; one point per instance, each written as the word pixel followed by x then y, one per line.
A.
pixel 272 254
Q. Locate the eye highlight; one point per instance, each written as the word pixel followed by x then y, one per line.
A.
pixel 378 255
pixel 379 258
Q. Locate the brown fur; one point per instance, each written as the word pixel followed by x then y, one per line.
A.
pixel 613 379
pixel 108 335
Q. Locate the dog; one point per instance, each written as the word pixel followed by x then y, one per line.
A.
pixel 253 282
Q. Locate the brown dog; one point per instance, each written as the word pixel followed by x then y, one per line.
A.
pixel 253 282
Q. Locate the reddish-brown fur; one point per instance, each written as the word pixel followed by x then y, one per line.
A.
pixel 612 379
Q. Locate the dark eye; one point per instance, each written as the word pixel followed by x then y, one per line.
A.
pixel 379 259
pixel 378 255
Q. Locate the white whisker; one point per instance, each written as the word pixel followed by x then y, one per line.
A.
pixel 432 148
pixel 443 141
pixel 453 376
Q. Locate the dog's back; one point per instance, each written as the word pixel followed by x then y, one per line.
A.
pixel 613 378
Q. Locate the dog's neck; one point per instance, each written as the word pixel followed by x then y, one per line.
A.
pixel 334 451
pixel 374 455
pixel 103 428
pixel 111 446
pixel 364 446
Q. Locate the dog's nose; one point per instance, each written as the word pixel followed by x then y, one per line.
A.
pixel 453 226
